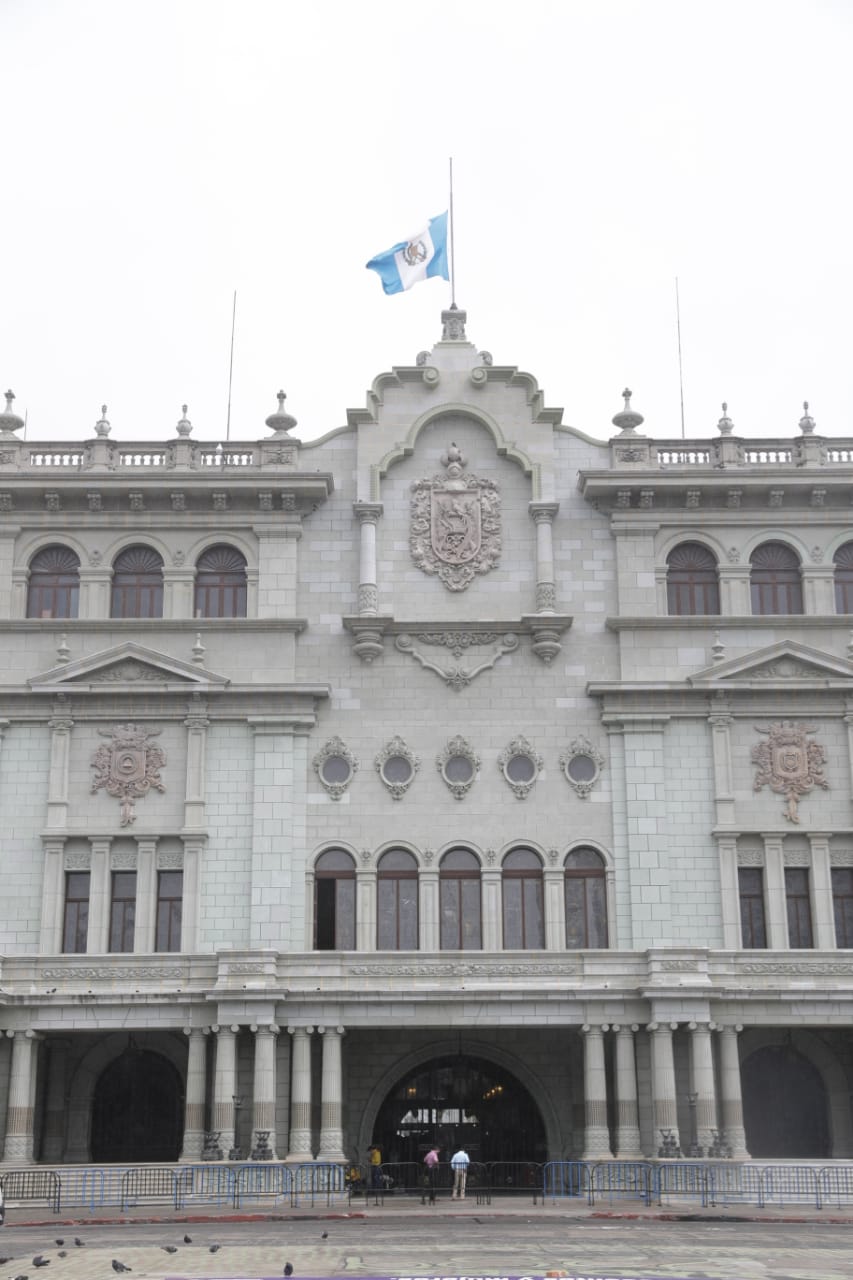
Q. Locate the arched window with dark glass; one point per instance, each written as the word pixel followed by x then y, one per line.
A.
pixel 397 902
pixel 523 901
pixel 775 584
pixel 334 902
pixel 586 900
pixel 137 584
pixel 843 559
pixel 54 586
pixel 692 582
pixel 220 583
pixel 459 901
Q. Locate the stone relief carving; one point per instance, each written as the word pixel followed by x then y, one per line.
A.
pixel 77 860
pixel 127 672
pixel 112 972
pixel 786 669
pixel 128 766
pixel 750 857
pixel 463 970
pixel 455 530
pixel 456 676
pixel 397 766
pixel 788 763
pixel 123 860
pixel 581 764
pixel 520 766
pixel 797 858
pixel 170 860
pixel 335 766
pixel 838 968
pixel 458 765
pixel 841 857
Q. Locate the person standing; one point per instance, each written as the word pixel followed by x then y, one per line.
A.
pixel 459 1164
pixel 375 1168
pixel 431 1162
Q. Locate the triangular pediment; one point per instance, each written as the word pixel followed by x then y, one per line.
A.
pixel 782 663
pixel 128 666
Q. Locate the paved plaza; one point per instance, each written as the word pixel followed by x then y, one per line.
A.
pixel 448 1241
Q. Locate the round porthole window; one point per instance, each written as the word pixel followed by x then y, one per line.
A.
pixel 459 769
pixel 582 769
pixel 520 768
pixel 582 765
pixel 336 771
pixel 397 770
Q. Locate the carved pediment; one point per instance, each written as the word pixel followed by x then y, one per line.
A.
pixel 777 664
pixel 127 666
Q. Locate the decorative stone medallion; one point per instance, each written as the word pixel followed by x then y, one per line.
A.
pixel 397 766
pixel 520 766
pixel 335 766
pixel 458 765
pixel 788 763
pixel 456 524
pixel 581 765
pixel 128 766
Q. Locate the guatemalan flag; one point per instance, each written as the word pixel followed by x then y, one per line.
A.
pixel 417 258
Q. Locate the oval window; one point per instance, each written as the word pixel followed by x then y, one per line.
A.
pixel 520 768
pixel 336 770
pixel 459 769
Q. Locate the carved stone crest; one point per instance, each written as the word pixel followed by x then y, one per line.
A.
pixel 456 523
pixel 128 766
pixel 789 763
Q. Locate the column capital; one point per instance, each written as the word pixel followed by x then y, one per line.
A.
pixel 196 1031
pixel 291 1031
pixel 367 512
pixel 543 512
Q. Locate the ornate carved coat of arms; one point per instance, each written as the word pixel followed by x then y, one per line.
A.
pixel 788 763
pixel 456 524
pixel 128 766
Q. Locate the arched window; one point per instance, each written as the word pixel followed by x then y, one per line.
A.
pixel 844 578
pixel 523 901
pixel 54 588
pixel 459 901
pixel 775 579
pixel 692 584
pixel 220 584
pixel 586 900
pixel 334 902
pixel 137 584
pixel 397 902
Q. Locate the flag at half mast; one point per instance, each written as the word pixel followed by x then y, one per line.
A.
pixel 421 256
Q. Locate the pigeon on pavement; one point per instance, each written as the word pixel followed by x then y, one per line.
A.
pixel 288 1268
pixel 119 1266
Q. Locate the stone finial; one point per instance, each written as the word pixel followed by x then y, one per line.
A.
pixel 627 420
pixel 807 422
pixel 725 426
pixel 102 426
pixel 9 420
pixel 184 426
pixel 280 422
pixel 453 324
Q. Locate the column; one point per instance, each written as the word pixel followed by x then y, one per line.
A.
pixel 196 780
pixel 195 1095
pixel 300 1095
pixel 428 915
pixel 492 909
pixel 60 725
pixel 721 722
pixel 555 908
pixel 664 1106
pixel 365 906
pixel 702 1084
pixel 774 894
pixel 732 1100
pixel 543 514
pixel 225 1085
pixel 20 1113
pixel 97 938
pixel 823 911
pixel 146 896
pixel 596 1143
pixel 263 1093
pixel 729 892
pixel 53 895
pixel 367 514
pixel 627 1109
pixel 331 1102
pixel 55 1109
pixel 193 851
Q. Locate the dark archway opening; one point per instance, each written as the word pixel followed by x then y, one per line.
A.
pixel 460 1101
pixel 784 1105
pixel 137 1111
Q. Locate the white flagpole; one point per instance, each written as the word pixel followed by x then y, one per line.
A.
pixel 452 253
pixel 231 367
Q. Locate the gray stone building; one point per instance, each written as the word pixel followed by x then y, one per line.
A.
pixel 457 776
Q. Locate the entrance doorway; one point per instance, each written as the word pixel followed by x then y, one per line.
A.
pixel 784 1105
pixel 137 1110
pixel 460 1101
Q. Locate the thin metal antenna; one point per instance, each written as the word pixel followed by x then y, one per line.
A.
pixel 680 374
pixel 231 367
pixel 452 250
pixel 26 419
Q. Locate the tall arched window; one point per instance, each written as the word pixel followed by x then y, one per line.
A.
pixel 220 583
pixel 523 901
pixel 843 559
pixel 334 902
pixel 397 902
pixel 775 579
pixel 586 900
pixel 54 587
pixel 692 585
pixel 459 901
pixel 137 584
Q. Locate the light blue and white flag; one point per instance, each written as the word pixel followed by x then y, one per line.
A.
pixel 417 258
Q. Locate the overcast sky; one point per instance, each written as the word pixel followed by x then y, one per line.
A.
pixel 159 155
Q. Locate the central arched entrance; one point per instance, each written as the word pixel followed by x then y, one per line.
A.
pixel 784 1105
pixel 137 1110
pixel 460 1100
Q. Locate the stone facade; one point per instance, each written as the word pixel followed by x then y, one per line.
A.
pixel 325 765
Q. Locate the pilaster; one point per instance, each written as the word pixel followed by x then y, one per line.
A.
pixel 627 1108
pixel 331 1104
pixel 596 1144
pixel 195 1095
pixel 300 1095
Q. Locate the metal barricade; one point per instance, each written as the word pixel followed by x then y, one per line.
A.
pixel 682 1178
pixel 262 1182
pixel 790 1184
pixel 313 1183
pixel 138 1185
pixel 516 1177
pixel 209 1183
pixel 563 1178
pixel 33 1184
pixel 619 1180
pixel 835 1184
